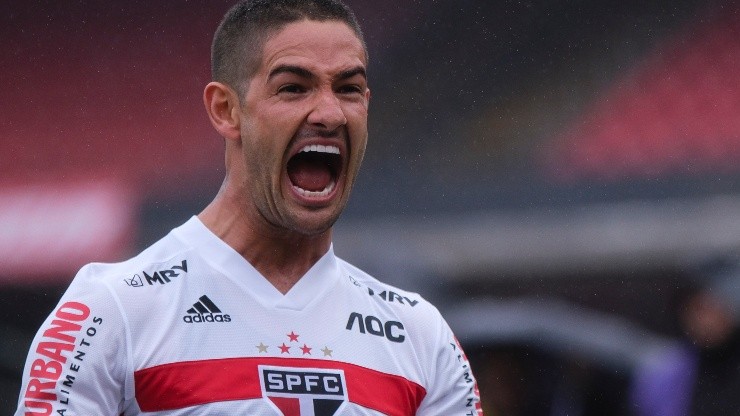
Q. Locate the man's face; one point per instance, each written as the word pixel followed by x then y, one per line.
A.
pixel 304 125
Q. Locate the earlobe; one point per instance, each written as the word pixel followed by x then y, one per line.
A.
pixel 222 106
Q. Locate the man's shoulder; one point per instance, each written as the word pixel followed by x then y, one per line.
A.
pixel 403 317
pixel 386 294
pixel 169 253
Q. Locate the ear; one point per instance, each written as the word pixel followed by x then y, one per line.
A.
pixel 222 106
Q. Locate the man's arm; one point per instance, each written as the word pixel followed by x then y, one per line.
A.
pixel 77 363
pixel 453 390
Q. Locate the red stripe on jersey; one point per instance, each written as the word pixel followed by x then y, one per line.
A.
pixel 192 383
pixel 289 407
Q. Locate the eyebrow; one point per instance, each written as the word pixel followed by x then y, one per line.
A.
pixel 359 70
pixel 305 73
pixel 291 69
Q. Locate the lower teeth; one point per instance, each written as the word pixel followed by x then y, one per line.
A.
pixel 306 193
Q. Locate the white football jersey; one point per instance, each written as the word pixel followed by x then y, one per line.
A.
pixel 189 327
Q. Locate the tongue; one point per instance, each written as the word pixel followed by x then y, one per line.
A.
pixel 314 177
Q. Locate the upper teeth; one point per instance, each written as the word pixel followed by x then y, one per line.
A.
pixel 320 148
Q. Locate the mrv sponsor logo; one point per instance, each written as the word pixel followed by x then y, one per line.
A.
pixel 204 310
pixel 158 276
pixel 309 391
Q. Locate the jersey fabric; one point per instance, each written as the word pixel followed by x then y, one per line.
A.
pixel 189 327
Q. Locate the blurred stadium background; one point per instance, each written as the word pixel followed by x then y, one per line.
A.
pixel 554 175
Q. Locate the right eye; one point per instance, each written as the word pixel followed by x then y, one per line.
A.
pixel 291 89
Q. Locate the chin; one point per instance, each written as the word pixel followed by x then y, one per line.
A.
pixel 313 227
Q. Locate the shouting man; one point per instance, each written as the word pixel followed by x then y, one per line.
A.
pixel 245 309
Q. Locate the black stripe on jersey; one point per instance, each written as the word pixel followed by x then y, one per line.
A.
pixel 209 304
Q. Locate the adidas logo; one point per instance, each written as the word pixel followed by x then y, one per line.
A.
pixel 204 310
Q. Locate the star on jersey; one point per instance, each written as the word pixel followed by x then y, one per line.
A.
pixel 306 349
pixel 286 348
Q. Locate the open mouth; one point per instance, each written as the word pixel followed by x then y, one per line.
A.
pixel 314 170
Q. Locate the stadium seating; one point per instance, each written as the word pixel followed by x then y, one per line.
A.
pixel 675 112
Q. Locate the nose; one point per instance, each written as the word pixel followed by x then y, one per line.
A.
pixel 327 111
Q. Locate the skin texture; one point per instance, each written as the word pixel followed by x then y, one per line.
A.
pixel 310 88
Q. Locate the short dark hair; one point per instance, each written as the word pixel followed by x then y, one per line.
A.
pixel 238 41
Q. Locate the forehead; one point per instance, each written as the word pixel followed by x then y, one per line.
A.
pixel 326 44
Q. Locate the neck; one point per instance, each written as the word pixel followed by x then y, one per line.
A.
pixel 281 256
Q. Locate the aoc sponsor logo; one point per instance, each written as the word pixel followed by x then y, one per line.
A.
pixel 304 391
pixel 391 330
pixel 159 276
pixel 204 310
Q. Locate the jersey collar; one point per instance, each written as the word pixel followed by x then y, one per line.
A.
pixel 319 278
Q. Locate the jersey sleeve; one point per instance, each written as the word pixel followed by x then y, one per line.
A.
pixel 453 389
pixel 77 361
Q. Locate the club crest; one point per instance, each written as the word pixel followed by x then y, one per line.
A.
pixel 304 391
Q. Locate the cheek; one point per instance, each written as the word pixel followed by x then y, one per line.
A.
pixel 264 143
pixel 358 153
pixel 260 161
pixel 357 123
pixel 357 111
pixel 359 148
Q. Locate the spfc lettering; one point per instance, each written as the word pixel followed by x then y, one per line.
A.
pixel 304 391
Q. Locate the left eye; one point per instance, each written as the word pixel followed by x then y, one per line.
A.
pixel 349 89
